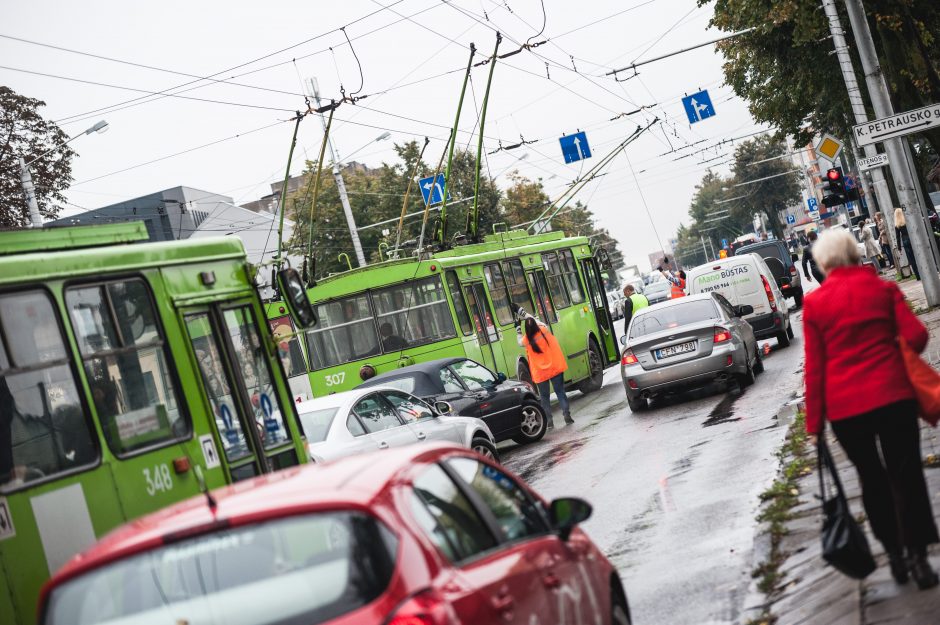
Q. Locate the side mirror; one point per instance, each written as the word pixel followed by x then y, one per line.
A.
pixel 443 407
pixel 743 311
pixel 566 513
pixel 294 294
pixel 501 377
pixel 623 340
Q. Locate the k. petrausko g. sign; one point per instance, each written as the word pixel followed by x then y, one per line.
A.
pixel 898 125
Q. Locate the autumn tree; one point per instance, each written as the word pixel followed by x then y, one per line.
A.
pixel 25 134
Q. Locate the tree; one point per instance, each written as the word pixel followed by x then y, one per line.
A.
pixel 25 134
pixel 767 179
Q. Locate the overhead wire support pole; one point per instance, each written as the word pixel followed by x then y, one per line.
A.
pixel 316 191
pixel 404 204
pixel 633 66
pixel 473 214
pixel 282 207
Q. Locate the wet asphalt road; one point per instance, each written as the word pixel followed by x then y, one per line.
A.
pixel 674 489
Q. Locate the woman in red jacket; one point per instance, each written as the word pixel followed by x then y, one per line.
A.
pixel 547 365
pixel 856 380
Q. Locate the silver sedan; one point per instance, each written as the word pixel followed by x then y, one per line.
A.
pixel 366 419
pixel 687 343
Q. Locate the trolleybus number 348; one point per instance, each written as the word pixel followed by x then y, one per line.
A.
pixel 158 479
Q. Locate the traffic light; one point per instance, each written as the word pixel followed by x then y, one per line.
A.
pixel 835 187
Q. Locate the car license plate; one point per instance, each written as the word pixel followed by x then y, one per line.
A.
pixel 675 350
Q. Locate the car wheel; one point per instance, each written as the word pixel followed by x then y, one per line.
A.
pixel 523 374
pixel 747 378
pixel 783 338
pixel 532 425
pixel 484 447
pixel 798 298
pixel 619 614
pixel 637 404
pixel 596 364
pixel 758 359
pixel 789 330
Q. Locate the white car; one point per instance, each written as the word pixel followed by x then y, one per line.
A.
pixel 615 303
pixel 366 419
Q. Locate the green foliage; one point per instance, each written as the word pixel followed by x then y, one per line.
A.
pixel 24 133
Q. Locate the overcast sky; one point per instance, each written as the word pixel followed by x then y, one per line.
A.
pixel 405 48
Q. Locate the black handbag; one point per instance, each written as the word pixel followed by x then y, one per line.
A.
pixel 844 545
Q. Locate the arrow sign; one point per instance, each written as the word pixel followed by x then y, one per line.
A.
pixel 433 189
pixel 698 106
pixel 575 147
pixel 209 453
pixel 898 125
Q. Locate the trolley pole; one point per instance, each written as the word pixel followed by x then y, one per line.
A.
pixel 341 186
pixel 898 153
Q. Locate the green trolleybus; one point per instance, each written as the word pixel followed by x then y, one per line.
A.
pixel 132 375
pixel 459 302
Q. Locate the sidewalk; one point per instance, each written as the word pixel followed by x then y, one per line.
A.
pixel 807 591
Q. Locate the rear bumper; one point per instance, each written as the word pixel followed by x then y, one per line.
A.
pixel 769 325
pixel 685 375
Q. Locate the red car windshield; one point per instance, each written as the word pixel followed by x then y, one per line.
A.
pixel 308 569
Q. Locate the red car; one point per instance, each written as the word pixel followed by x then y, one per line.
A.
pixel 422 535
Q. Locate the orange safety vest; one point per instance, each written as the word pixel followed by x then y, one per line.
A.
pixel 546 365
pixel 678 290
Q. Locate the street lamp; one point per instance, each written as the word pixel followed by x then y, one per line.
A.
pixel 381 137
pixel 27 180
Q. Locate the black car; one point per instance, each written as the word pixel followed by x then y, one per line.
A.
pixel 782 264
pixel 511 409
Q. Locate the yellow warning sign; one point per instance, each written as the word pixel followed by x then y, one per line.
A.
pixel 829 147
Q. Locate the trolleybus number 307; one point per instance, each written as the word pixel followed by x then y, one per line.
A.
pixel 335 378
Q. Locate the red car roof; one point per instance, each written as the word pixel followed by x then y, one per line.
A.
pixel 352 482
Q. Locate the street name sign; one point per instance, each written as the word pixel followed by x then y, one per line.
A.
pixel 872 162
pixel 433 190
pixel 698 106
pixel 898 125
pixel 575 147
pixel 829 147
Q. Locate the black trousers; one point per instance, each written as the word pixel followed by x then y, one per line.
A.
pixel 884 446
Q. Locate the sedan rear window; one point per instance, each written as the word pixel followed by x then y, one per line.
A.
pixel 309 569
pixel 667 317
pixel 317 423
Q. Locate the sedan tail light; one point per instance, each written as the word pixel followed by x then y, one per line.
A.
pixel 628 358
pixel 722 335
pixel 770 294
pixel 425 608
pixel 793 270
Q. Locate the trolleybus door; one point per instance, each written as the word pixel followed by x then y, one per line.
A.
pixel 599 302
pixel 545 311
pixel 482 317
pixel 248 420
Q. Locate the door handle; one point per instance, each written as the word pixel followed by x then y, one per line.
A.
pixel 421 436
pixel 383 445
pixel 551 580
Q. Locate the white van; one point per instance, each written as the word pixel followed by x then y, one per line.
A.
pixel 747 280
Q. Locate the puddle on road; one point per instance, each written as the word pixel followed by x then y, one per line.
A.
pixel 722 413
pixel 544 462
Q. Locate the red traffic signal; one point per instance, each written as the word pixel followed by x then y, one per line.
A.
pixel 834 174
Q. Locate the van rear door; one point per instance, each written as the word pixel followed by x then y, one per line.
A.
pixel 737 279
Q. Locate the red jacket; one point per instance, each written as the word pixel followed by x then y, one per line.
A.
pixel 853 363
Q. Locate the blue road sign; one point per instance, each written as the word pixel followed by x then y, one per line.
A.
pixel 724 243
pixel 698 106
pixel 575 147
pixel 813 204
pixel 791 219
pixel 433 190
pixel 849 182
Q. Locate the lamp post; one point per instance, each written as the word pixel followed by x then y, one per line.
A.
pixel 29 190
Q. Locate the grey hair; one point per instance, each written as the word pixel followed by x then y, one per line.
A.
pixel 836 248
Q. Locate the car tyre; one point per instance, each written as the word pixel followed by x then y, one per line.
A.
pixel 619 612
pixel 758 359
pixel 637 404
pixel 523 374
pixel 783 338
pixel 789 330
pixel 533 424
pixel 485 447
pixel 596 365
pixel 747 378
pixel 798 298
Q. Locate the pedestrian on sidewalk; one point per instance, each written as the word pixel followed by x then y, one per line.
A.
pixel 883 239
pixel 808 260
pixel 856 379
pixel 547 366
pixel 904 239
pixel 871 246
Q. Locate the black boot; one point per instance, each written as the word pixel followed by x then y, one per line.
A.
pixel 898 565
pixel 922 572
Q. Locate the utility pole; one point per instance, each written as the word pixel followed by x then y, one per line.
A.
pixel 878 182
pixel 341 185
pixel 898 153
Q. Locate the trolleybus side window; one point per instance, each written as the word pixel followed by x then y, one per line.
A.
pixel 556 281
pixel 413 314
pixel 43 427
pixel 460 306
pixel 125 361
pixel 570 273
pixel 249 353
pixel 540 288
pixel 518 290
pixel 498 293
pixel 345 332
